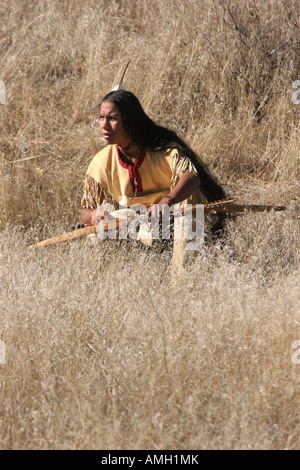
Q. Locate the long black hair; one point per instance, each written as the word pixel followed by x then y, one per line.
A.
pixel 149 135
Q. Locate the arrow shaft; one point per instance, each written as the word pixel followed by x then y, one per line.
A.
pixel 226 207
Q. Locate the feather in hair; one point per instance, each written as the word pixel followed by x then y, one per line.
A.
pixel 121 85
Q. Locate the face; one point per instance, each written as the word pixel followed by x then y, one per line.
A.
pixel 111 125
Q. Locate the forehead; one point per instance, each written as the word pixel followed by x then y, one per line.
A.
pixel 107 108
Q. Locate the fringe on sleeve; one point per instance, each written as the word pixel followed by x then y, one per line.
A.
pixel 94 194
pixel 181 164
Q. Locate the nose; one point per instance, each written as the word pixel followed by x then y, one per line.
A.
pixel 104 123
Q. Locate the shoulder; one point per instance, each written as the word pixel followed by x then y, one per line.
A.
pixel 102 158
pixel 169 151
pixel 172 152
pixel 106 153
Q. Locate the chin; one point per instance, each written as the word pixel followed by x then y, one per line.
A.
pixel 109 140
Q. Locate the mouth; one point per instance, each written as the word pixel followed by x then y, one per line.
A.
pixel 106 135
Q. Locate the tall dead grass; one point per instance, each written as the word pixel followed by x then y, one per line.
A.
pixel 110 358
pixel 102 349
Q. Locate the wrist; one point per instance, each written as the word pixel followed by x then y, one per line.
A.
pixel 171 200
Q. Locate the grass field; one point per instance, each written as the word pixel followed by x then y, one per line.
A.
pixel 103 349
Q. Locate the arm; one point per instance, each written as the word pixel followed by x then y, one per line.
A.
pixel 92 197
pixel 187 185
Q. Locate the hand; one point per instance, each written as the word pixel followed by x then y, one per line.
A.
pixel 97 215
pixel 157 211
pixel 93 216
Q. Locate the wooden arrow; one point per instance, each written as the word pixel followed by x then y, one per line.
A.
pixel 226 207
pixel 241 208
pixel 80 232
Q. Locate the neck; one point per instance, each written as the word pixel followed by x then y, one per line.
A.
pixel 129 146
pixel 132 154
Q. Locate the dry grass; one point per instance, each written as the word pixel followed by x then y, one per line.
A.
pixel 102 349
